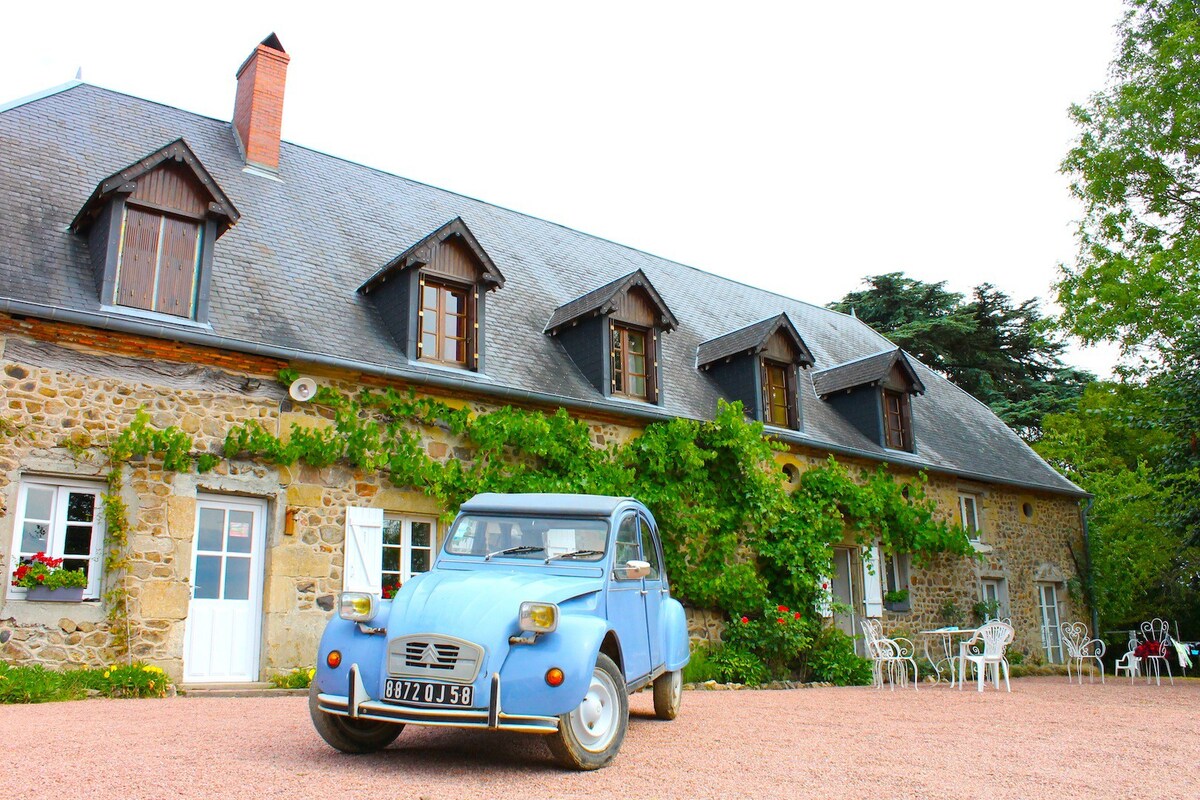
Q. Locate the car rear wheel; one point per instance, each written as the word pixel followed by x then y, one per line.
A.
pixel 590 735
pixel 668 693
pixel 350 735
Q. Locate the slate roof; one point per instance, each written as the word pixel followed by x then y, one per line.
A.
pixel 601 300
pixel 864 372
pixel 285 281
pixel 752 338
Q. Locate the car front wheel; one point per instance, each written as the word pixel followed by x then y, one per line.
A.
pixel 590 735
pixel 350 735
pixel 668 693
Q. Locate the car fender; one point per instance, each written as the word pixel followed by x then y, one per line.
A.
pixel 673 624
pixel 366 650
pixel 572 648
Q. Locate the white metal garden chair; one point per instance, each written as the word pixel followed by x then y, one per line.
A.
pixel 1079 649
pixel 1155 638
pixel 986 648
pixel 893 655
pixel 1129 663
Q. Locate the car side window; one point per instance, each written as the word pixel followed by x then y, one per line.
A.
pixel 650 552
pixel 627 546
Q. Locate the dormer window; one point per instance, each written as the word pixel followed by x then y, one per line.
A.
pixel 874 395
pixel 630 376
pixel 613 335
pixel 896 423
pixel 758 365
pixel 151 230
pixel 445 323
pixel 432 297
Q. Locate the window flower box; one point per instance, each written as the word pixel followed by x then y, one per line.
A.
pixel 70 594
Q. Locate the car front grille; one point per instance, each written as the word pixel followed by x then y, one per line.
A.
pixel 434 657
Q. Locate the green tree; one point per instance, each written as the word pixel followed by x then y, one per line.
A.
pixel 1136 167
pixel 1004 354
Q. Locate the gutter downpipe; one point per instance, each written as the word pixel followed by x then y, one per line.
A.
pixel 1084 508
pixel 202 337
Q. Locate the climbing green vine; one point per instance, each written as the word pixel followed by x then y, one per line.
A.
pixel 734 536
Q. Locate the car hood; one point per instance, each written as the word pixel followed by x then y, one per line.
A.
pixel 479 606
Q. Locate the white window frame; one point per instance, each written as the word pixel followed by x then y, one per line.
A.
pixel 973 529
pixel 406 547
pixel 999 593
pixel 1051 639
pixel 56 536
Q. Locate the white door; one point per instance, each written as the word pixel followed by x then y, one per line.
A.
pixel 225 614
pixel 1048 606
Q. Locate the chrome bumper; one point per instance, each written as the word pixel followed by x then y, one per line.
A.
pixel 358 705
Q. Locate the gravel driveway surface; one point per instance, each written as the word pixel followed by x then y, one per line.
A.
pixel 1045 739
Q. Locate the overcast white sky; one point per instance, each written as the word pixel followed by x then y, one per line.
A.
pixel 795 146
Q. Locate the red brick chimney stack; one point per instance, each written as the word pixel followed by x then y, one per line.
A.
pixel 258 109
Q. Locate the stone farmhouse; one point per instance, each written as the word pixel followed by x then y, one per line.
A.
pixel 152 258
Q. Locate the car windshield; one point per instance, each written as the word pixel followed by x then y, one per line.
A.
pixel 528 537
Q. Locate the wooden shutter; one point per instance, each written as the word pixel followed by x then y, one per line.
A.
pixel 177 267
pixel 872 582
pixel 363 550
pixel 139 257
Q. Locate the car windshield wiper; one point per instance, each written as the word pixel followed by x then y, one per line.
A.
pixel 512 551
pixel 574 554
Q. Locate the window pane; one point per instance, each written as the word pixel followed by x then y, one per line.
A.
pixel 452 350
pixel 429 345
pixel 627 542
pixel 391 559
pixel 650 554
pixel 392 529
pixel 33 537
pixel 81 507
pixel 637 386
pixel 208 577
pixel 637 365
pixel 38 501
pixel 76 563
pixel 429 322
pixel 78 541
pixel 237 578
pixel 420 561
pixel 455 302
pixel 241 529
pixel 211 529
pixel 420 534
pixel 429 297
pixel 637 343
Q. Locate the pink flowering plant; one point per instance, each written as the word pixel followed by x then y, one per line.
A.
pixel 41 570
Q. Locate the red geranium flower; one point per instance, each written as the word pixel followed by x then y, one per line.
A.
pixel 745 620
pixel 784 609
pixel 796 615
pixel 781 620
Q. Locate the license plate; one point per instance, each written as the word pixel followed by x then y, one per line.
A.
pixel 424 693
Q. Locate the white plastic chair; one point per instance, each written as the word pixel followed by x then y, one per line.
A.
pixel 1157 631
pixel 991 641
pixel 893 654
pixel 1079 649
pixel 1129 663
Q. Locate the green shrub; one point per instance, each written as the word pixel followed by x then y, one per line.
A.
pixel 700 667
pixel 299 678
pixel 33 684
pixel 137 680
pixel 833 660
pixel 776 637
pixel 734 665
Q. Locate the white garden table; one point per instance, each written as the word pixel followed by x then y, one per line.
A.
pixel 948 650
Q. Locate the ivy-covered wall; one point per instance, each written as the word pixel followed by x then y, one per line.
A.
pixel 736 531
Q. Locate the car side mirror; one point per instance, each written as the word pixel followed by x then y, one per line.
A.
pixel 635 570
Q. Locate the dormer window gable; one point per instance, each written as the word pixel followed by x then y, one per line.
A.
pixel 431 301
pixel 151 232
pixel 874 394
pixel 614 335
pixel 758 365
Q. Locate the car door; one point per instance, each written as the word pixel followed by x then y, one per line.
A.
pixel 627 600
pixel 656 589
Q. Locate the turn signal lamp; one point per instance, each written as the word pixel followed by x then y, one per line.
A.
pixel 554 677
pixel 538 617
pixel 334 659
pixel 358 606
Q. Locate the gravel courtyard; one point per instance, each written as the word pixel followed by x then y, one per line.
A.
pixel 1045 739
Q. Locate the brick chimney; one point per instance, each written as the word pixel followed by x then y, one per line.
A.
pixel 258 109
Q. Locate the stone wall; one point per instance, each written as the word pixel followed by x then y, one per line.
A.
pixel 60 384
